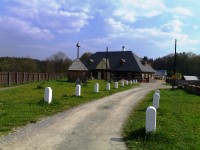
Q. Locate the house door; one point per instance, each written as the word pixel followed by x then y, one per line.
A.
pixel 103 75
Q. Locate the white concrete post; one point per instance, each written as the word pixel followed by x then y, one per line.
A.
pixel 131 82
pixel 78 90
pixel 116 85
pixel 134 81
pixel 157 91
pixel 156 98
pixel 108 86
pixel 126 82
pixel 150 119
pixel 48 95
pixel 122 83
pixel 96 88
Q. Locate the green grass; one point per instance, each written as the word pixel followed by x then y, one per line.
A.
pixel 178 123
pixel 23 105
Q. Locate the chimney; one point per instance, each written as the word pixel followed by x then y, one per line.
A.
pixel 123 48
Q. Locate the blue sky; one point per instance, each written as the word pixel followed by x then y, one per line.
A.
pixel 40 28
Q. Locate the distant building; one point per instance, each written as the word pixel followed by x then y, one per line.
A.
pixel 118 65
pixel 160 74
pixel 190 78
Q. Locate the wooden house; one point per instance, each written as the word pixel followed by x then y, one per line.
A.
pixel 118 65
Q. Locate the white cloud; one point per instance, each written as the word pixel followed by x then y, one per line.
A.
pixel 60 16
pixel 161 37
pixel 21 28
pixel 181 12
pixel 130 10
pixel 195 27
pixel 172 26
pixel 126 14
pixel 115 26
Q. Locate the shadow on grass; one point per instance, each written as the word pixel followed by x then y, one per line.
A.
pixel 140 134
pixel 136 134
pixel 43 103
pixel 62 80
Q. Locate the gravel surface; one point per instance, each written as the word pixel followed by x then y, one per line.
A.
pixel 93 126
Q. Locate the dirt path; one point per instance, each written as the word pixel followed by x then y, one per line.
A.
pixel 92 126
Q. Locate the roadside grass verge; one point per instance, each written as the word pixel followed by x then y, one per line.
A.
pixel 178 122
pixel 23 105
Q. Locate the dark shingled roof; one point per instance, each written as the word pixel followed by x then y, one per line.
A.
pixel 131 62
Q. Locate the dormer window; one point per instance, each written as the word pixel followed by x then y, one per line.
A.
pixel 91 61
pixel 123 61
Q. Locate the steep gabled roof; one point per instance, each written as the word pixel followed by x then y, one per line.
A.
pixel 103 63
pixel 149 69
pixel 118 61
pixel 77 65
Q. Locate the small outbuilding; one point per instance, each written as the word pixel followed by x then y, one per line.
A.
pixel 160 74
pixel 77 71
pixel 190 78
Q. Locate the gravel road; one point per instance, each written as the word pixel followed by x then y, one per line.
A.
pixel 93 126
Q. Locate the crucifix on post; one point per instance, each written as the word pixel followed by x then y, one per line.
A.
pixel 78 46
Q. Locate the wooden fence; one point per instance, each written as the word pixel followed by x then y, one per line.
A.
pixel 9 78
pixel 192 86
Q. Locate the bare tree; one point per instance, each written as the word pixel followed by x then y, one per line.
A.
pixel 85 56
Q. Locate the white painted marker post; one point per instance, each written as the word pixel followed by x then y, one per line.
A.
pixel 48 95
pixel 126 82
pixel 108 86
pixel 116 85
pixel 150 119
pixel 122 83
pixel 131 82
pixel 78 90
pixel 156 99
pixel 157 91
pixel 96 88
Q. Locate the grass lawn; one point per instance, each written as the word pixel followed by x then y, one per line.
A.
pixel 25 104
pixel 178 123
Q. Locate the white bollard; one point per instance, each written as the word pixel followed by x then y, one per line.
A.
pixel 48 95
pixel 131 82
pixel 122 83
pixel 135 80
pixel 78 90
pixel 126 82
pixel 150 119
pixel 157 91
pixel 116 85
pixel 156 98
pixel 108 86
pixel 96 88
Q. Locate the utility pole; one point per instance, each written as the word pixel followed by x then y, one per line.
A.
pixel 106 63
pixel 175 64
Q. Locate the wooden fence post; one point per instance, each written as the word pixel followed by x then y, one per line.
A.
pixel 33 77
pixel 17 78
pixel 9 78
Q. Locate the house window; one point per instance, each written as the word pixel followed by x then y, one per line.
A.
pixel 91 61
pixel 123 61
